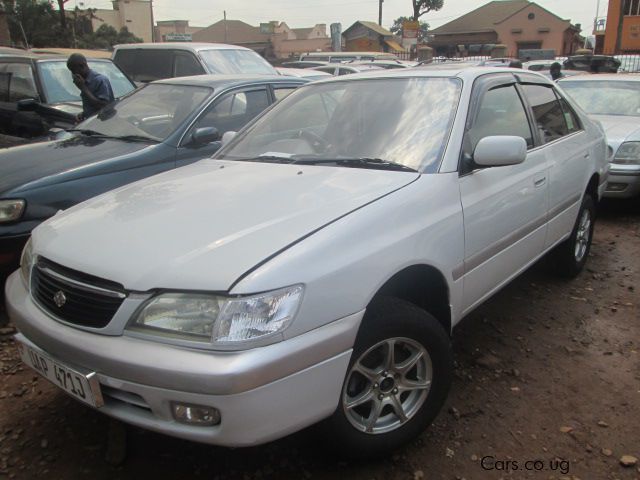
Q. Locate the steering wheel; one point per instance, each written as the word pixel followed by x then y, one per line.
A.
pixel 318 143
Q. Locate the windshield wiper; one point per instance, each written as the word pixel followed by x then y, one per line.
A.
pixel 126 138
pixel 89 133
pixel 357 162
pixel 269 157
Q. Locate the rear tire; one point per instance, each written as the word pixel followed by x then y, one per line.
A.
pixel 398 379
pixel 571 255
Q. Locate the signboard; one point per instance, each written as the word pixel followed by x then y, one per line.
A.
pixel 410 29
pixel 267 28
pixel 178 37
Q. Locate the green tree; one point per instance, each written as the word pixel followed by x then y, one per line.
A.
pixel 420 7
pixel 39 22
pixel 105 37
pixel 396 28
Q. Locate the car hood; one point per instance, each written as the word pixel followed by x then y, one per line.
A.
pixel 203 226
pixel 31 165
pixel 619 128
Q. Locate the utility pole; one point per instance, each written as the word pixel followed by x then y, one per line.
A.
pixel 380 2
pixel 225 26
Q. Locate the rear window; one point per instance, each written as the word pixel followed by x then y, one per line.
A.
pixel 230 61
pixel 145 65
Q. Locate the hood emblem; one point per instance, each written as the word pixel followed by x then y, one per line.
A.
pixel 59 298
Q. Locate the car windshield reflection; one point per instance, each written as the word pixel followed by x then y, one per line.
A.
pixel 402 121
pixel 154 111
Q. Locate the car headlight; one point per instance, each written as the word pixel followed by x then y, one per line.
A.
pixel 628 153
pixel 11 210
pixel 217 319
pixel 26 263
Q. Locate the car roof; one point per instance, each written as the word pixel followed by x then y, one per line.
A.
pixel 222 81
pixel 179 46
pixel 45 57
pixel 619 77
pixel 301 72
pixel 468 74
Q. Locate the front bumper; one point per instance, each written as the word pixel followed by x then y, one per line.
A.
pixel 262 394
pixel 623 182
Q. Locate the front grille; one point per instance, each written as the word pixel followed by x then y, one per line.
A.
pixel 73 296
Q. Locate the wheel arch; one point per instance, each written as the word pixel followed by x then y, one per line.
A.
pixel 424 286
pixel 592 187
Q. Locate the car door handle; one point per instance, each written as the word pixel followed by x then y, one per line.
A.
pixel 586 155
pixel 540 182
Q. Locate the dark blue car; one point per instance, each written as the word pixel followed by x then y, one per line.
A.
pixel 163 125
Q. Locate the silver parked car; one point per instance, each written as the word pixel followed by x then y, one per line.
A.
pixel 614 100
pixel 314 269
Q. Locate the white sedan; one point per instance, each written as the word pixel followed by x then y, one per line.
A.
pixel 313 271
pixel 614 100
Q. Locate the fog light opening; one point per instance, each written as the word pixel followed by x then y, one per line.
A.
pixel 616 187
pixel 195 414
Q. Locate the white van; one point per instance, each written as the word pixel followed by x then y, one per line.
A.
pixel 146 62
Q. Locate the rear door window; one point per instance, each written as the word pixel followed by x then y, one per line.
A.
pixel 547 111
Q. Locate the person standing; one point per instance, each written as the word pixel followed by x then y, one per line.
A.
pixel 556 71
pixel 95 88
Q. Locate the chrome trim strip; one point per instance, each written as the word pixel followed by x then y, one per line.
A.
pixel 82 286
pixel 558 209
pixel 482 256
pixel 457 272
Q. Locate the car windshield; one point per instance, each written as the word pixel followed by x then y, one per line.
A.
pixel 58 83
pixel 235 61
pixel 154 112
pixel 402 121
pixel 600 97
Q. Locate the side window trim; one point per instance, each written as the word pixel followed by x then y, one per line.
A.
pixel 481 86
pixel 558 97
pixel 565 104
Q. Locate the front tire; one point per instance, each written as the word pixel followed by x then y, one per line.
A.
pixel 571 255
pixel 397 381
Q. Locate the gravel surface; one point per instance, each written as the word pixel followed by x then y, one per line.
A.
pixel 547 378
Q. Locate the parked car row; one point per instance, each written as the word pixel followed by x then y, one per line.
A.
pixel 161 126
pixel 314 268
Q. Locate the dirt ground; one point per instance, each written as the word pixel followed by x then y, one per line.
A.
pixel 547 386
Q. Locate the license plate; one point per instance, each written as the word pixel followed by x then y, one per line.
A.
pixel 83 387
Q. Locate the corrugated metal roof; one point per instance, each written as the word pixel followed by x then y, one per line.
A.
pixel 371 26
pixel 483 18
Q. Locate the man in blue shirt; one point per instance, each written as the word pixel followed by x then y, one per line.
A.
pixel 95 89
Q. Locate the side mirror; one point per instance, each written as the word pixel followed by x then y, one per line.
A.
pixel 27 104
pixel 202 136
pixel 498 151
pixel 228 136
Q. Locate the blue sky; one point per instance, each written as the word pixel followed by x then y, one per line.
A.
pixel 302 13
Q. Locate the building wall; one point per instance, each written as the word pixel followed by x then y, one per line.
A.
pixel 630 41
pixel 545 29
pixel 361 39
pixel 136 15
pixel 284 48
